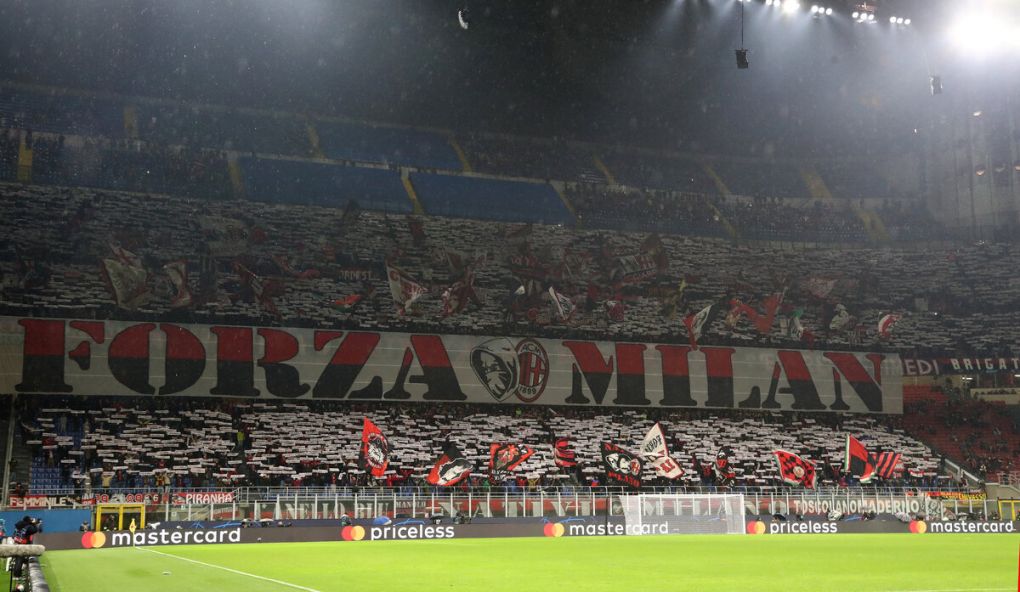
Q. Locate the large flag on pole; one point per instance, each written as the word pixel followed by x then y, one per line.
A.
pixel 375 449
pixel 885 464
pixel 563 455
pixel 858 461
pixel 656 453
pixel 794 469
pixel 504 458
pixel 621 466
pixel 450 468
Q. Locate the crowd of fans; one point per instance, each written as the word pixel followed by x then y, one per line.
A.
pixel 604 206
pixel 777 219
pixel 255 263
pixel 129 166
pixel 89 444
pixel 980 435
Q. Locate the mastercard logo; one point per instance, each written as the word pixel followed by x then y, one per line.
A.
pixel 553 529
pixel 918 527
pixel 93 540
pixel 352 533
pixel 756 527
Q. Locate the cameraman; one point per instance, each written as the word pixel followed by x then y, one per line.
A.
pixel 24 531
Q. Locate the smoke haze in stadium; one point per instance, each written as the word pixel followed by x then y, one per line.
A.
pixel 652 73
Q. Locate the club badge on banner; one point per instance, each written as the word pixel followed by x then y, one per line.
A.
pixel 125 358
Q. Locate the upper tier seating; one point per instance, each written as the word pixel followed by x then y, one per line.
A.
pixel 489 199
pixel 223 129
pixel 387 145
pixel 759 179
pixel 525 157
pixel 659 172
pixel 52 239
pixel 301 182
pixel 61 113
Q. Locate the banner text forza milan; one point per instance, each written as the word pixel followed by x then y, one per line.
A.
pixel 113 357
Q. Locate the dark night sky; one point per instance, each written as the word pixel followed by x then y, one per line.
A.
pixel 653 73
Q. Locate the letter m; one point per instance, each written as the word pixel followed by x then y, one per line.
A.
pixel 867 386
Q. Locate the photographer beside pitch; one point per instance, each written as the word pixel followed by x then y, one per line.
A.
pixel 24 531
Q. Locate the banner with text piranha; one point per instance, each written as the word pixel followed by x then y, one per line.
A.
pixel 127 358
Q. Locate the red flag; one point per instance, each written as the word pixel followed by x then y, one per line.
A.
pixel 375 449
pixel 504 458
pixel 795 470
pixel 563 455
pixel 858 460
pixel 885 464
pixel 450 468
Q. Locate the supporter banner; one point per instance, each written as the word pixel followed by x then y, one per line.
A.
pixel 940 366
pixel 123 358
pixel 178 498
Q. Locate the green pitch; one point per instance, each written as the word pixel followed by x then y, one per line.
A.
pixel 857 563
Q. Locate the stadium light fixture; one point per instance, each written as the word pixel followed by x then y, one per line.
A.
pixel 828 11
pixel 791 6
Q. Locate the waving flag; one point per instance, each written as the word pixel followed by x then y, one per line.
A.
pixel 885 464
pixel 858 461
pixel 457 294
pixel 504 458
pixel 698 324
pixel 563 455
pixel 794 469
pixel 885 325
pixel 724 473
pixel 563 305
pixel 450 468
pixel 656 453
pixel 375 449
pixel 177 271
pixel 621 466
pixel 762 321
pixel 405 290
pixel 126 278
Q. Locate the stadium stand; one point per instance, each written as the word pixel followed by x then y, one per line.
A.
pixel 622 208
pixel 760 179
pixel 60 113
pixel 313 183
pixel 641 169
pixel 980 434
pixel 386 145
pixel 126 443
pixel 54 238
pixel 223 129
pixel 525 157
pixel 489 199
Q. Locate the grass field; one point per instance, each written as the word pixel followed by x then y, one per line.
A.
pixel 857 563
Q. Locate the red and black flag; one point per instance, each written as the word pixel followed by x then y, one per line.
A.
pixel 450 468
pixel 885 464
pixel 724 473
pixel 621 466
pixel 504 458
pixel 794 469
pixel 375 449
pixel 563 455
pixel 858 461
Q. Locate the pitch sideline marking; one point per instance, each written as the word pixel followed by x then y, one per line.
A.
pixel 958 590
pixel 236 571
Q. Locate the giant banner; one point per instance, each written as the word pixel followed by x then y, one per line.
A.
pixel 127 358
